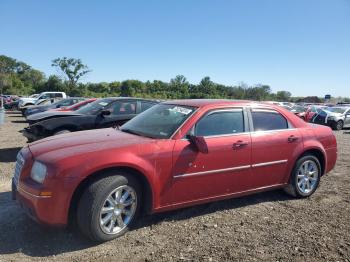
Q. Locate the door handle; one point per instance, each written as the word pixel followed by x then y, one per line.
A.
pixel 239 144
pixel 292 138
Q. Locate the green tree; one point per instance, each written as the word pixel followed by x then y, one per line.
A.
pixel 132 88
pixel 283 96
pixel 179 86
pixel 72 68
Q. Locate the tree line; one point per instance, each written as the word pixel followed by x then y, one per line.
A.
pixel 16 77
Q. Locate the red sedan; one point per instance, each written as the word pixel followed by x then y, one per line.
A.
pixel 75 106
pixel 174 155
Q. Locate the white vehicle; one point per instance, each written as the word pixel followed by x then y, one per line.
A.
pixel 28 101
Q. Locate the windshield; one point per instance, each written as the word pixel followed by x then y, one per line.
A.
pixel 298 109
pixel 94 107
pixel 336 109
pixel 287 107
pixel 160 121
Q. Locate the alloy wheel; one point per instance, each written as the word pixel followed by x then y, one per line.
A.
pixel 307 176
pixel 118 210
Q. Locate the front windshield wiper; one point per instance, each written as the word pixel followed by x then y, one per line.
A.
pixel 130 131
pixel 126 130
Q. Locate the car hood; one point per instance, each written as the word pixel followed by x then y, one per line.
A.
pixel 27 99
pixel 48 114
pixel 84 142
pixel 333 114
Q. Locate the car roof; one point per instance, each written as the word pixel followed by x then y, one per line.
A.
pixel 219 102
pixel 131 98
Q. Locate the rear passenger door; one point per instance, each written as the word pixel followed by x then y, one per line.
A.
pixel 274 145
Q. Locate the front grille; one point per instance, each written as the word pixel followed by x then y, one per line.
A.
pixel 18 168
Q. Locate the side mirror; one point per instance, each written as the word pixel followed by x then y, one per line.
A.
pixel 105 113
pixel 199 143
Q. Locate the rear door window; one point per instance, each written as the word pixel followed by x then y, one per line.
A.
pixel 59 95
pixel 266 119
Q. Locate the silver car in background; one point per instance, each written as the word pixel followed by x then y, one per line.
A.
pixel 336 117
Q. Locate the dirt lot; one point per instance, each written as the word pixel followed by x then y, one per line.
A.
pixel 268 226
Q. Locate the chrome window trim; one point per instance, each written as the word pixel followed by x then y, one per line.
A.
pixel 252 133
pixel 225 109
pixel 273 131
pixel 226 135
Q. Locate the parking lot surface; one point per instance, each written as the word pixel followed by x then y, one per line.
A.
pixel 268 226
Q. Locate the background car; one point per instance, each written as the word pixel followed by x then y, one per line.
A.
pixel 106 112
pixel 312 110
pixel 58 104
pixel 74 107
pixel 34 99
pixel 336 117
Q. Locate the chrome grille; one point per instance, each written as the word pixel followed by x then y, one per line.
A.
pixel 18 168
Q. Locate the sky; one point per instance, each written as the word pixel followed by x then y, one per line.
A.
pixel 295 45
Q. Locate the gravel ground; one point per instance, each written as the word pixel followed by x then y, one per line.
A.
pixel 268 226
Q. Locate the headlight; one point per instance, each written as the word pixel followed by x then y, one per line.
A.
pixel 39 172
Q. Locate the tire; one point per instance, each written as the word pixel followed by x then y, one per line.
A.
pixel 97 197
pixel 338 125
pixel 63 131
pixel 301 185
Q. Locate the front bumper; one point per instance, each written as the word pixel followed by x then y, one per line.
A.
pixel 35 206
pixel 47 210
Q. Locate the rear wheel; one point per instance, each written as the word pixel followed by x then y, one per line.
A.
pixel 109 206
pixel 305 177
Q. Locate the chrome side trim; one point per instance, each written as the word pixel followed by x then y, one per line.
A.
pixel 270 163
pixel 232 169
pixel 213 171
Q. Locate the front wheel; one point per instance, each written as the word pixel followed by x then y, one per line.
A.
pixel 109 206
pixel 338 125
pixel 305 177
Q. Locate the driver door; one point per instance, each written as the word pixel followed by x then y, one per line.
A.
pixel 225 169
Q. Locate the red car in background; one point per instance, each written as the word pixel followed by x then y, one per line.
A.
pixel 173 155
pixel 75 106
pixel 311 111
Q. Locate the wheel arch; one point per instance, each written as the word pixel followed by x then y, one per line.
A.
pixel 319 154
pixel 147 202
pixel 72 128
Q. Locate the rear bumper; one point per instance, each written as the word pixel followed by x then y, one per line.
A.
pixel 332 155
